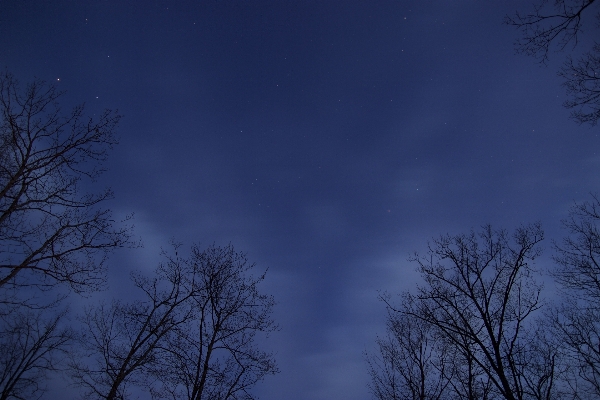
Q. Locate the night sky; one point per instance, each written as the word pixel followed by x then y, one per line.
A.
pixel 327 139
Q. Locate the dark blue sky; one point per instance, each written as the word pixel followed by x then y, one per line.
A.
pixel 327 139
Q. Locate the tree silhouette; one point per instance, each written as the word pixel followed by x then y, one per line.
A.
pixel 411 363
pixel 214 354
pixel 192 336
pixel 560 24
pixel 32 344
pixel 50 230
pixel 121 340
pixel 577 319
pixel 469 330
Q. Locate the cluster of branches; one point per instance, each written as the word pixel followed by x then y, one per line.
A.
pixel 576 321
pixel 50 229
pixel 192 333
pixel 33 343
pixel 465 333
pixel 559 24
pixel 192 336
pixel 52 233
pixel 477 328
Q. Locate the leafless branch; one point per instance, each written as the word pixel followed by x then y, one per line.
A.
pixel 576 320
pixel 193 335
pixel 472 320
pixel 542 28
pixel 32 344
pixel 49 229
pixel 560 23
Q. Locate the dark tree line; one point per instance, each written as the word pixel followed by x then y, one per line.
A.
pixel 478 327
pixel 560 25
pixel 192 331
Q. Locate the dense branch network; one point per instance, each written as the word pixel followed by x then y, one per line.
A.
pixel 192 336
pixel 468 332
pixel 559 24
pixel 576 321
pixel 50 229
pixel 31 346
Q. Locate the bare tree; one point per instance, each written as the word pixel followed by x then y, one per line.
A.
pixel 578 256
pixel 192 336
pixel 582 81
pixel 479 293
pixel 411 363
pixel 32 345
pixel 560 24
pixel 478 303
pixel 214 355
pixel 467 378
pixel 577 319
pixel 50 229
pixel 120 341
